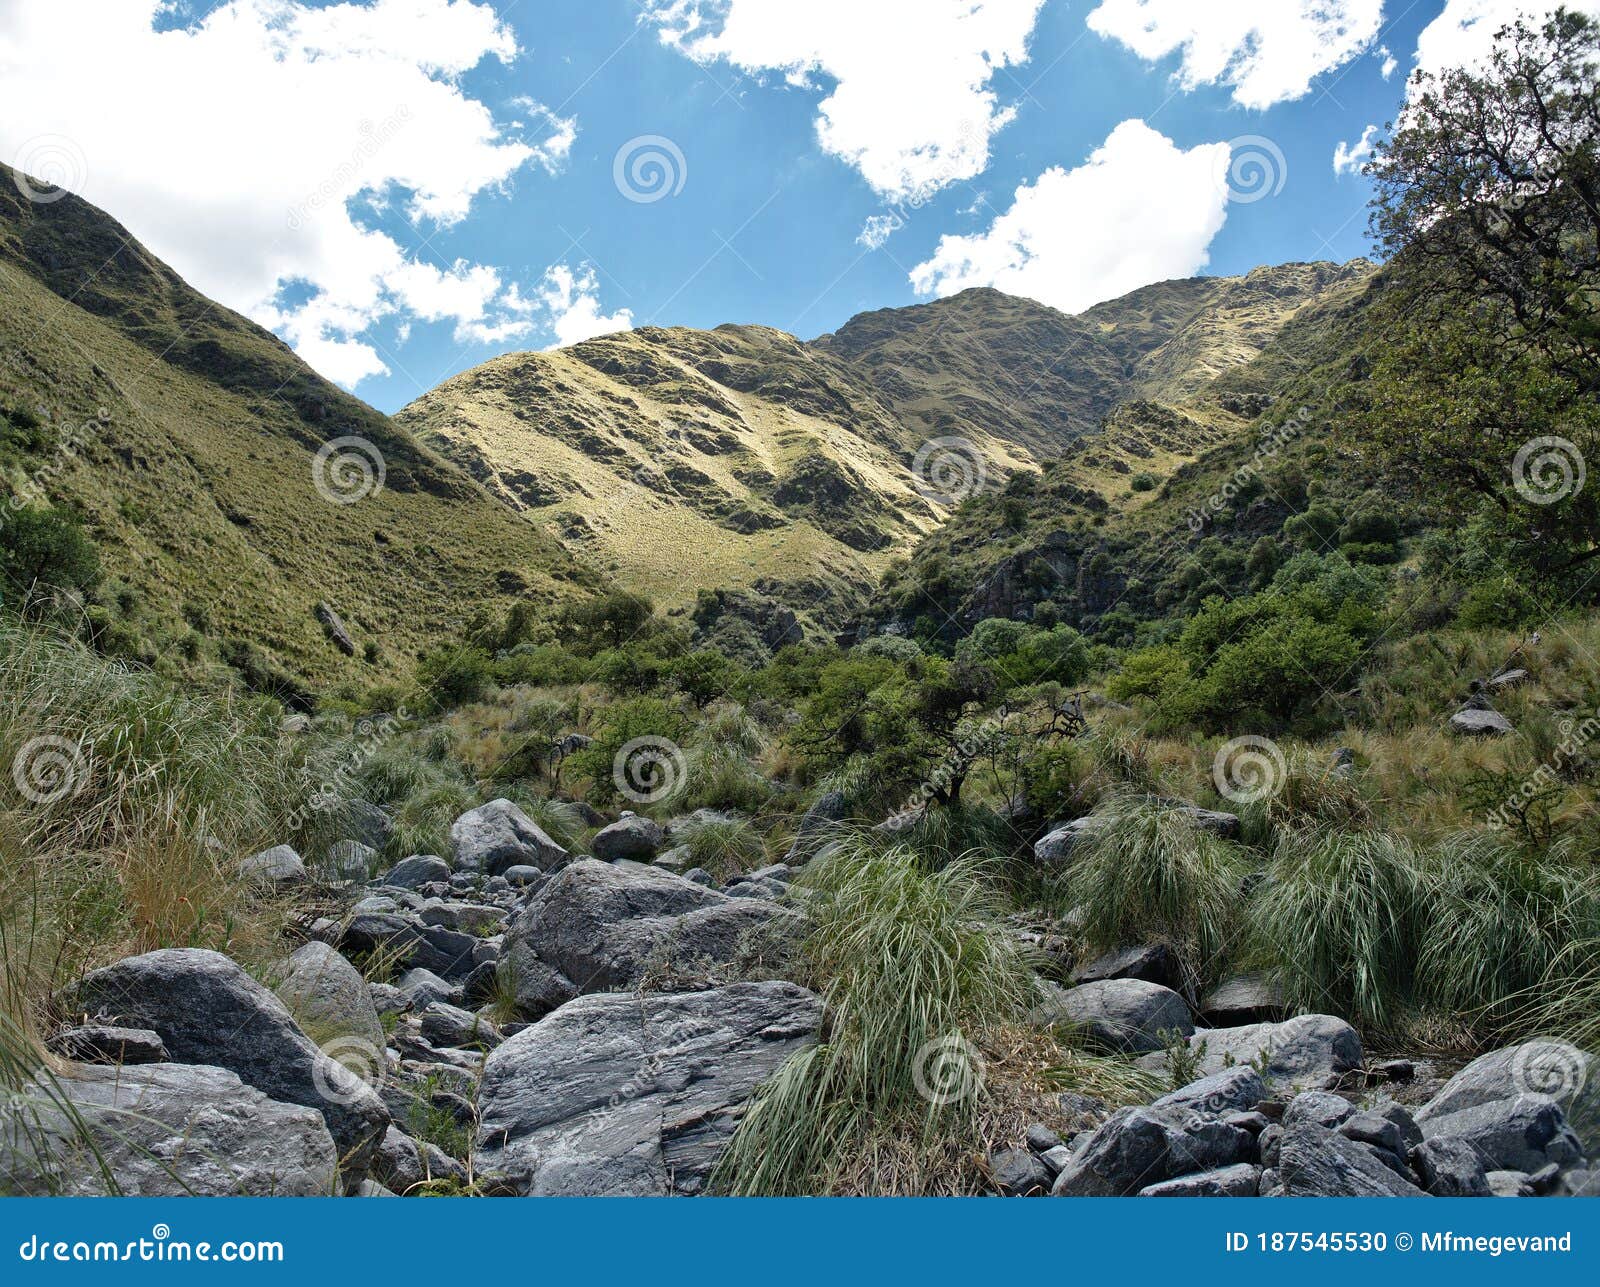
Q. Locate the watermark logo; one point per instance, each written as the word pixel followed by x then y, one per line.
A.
pixel 1248 769
pixel 1255 169
pixel 352 1067
pixel 948 1070
pixel 649 769
pixel 49 769
pixel 47 167
pixel 347 470
pixel 649 168
pixel 1547 470
pixel 948 470
pixel 1549 1066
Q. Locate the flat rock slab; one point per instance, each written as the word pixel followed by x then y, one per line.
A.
pixel 631 1094
pixel 1472 722
pixel 1305 1051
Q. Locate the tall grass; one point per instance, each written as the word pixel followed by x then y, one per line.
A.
pixel 722 845
pixel 913 972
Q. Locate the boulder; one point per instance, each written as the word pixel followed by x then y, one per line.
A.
pixel 1127 1014
pixel 630 837
pixel 101 1043
pixel 1137 1147
pixel 1243 999
pixel 1307 1050
pixel 1016 1172
pixel 403 1163
pixel 209 1011
pixel 595 926
pixel 1508 1184
pixel 1521 1134
pixel 1055 847
pixel 499 835
pixel 816 824
pixel 364 821
pixel 1508 679
pixel 448 1025
pixel 279 866
pixel 349 862
pixel 1152 962
pixel 1233 1090
pixel 1321 1107
pixel 416 871
pixel 1450 1168
pixel 412 944
pixel 161 1130
pixel 634 1094
pixel 423 987
pixel 328 996
pixel 1544 1066
pixel 1316 1162
pixel 1472 722
pixel 522 877
pixel 1238 1181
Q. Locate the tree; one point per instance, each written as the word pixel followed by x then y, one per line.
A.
pixel 43 551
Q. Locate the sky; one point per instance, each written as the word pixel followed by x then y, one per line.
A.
pixel 403 189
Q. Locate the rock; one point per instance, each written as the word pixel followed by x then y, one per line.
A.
pixel 100 1043
pixel 1343 763
pixel 1269 1143
pixel 700 876
pixel 161 1130
pixel 209 1011
pixel 768 889
pixel 523 877
pixel 1508 1184
pixel 499 835
pixel 476 919
pixel 1316 1162
pixel 1137 1147
pixel 423 987
pixel 1521 1134
pixel 1468 722
pixel 817 823
pixel 634 1094
pixel 1041 1139
pixel 1016 1172
pixel 1055 1159
pixel 1243 999
pixel 1450 1168
pixel 1321 1107
pixel 1226 825
pixel 349 862
pixel 334 628
pixel 1056 846
pixel 410 943
pixel 1127 1014
pixel 595 926
pixel 1579 1183
pixel 416 871
pixel 778 873
pixel 448 1025
pixel 372 1189
pixel 279 865
pixel 1410 1132
pixel 364 821
pixel 403 1163
pixel 1231 1090
pixel 1544 1066
pixel 328 996
pixel 1375 1132
pixel 1153 962
pixel 631 837
pixel 1238 1181
pixel 1508 679
pixel 387 999
pixel 1307 1050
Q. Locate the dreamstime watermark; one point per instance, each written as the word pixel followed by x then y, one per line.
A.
pixel 336 188
pixel 35 487
pixel 1255 169
pixel 49 769
pixel 1550 1066
pixel 1575 736
pixel 948 470
pixel 649 769
pixel 352 1068
pixel 159 1247
pixel 948 1070
pixel 47 167
pixel 348 470
pixel 649 168
pixel 330 785
pixel 1248 769
pixel 1547 470
pixel 1272 442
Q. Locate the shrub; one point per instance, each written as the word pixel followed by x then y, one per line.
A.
pixel 42 552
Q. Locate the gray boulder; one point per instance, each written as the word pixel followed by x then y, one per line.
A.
pixel 634 1094
pixel 448 1025
pixel 1321 1107
pixel 161 1130
pixel 412 944
pixel 1137 1147
pixel 328 996
pixel 1307 1050
pixel 631 837
pixel 1238 1181
pixel 1473 722
pixel 816 824
pixel 1316 1162
pixel 279 866
pixel 1233 1090
pixel 1450 1168
pixel 349 862
pixel 499 835
pixel 416 871
pixel 101 1043
pixel 595 926
pixel 1127 1014
pixel 403 1163
pixel 1152 962
pixel 364 821
pixel 1508 1184
pixel 1017 1172
pixel 209 1011
pixel 423 987
pixel 1055 847
pixel 1521 1134
pixel 1245 998
pixel 1545 1066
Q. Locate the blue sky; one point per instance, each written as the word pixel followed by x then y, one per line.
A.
pixel 405 188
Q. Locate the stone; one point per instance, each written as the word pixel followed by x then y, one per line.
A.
pixel 476 919
pixel 631 837
pixel 1231 1090
pixel 1544 1066
pixel 1016 1172
pixel 1508 679
pixel 816 824
pixel 499 835
pixel 1322 1107
pixel 1521 1134
pixel 366 822
pixel 1469 722
pixel 1055 848
pixel 634 1094
pixel 1450 1168
pixel 1126 1014
pixel 349 862
pixel 596 926
pixel 328 996
pixel 1307 1050
pixel 404 1164
pixel 416 871
pixel 1243 999
pixel 1375 1131
pixel 1508 1184
pixel 279 866
pixel 1316 1162
pixel 161 1130
pixel 209 1011
pixel 448 1025
pixel 423 987
pixel 1153 962
pixel 779 873
pixel 523 877
pixel 101 1043
pixel 410 943
pixel 700 876
pixel 1238 1181
pixel 387 999
pixel 1137 1147
pixel 1055 1159
pixel 1041 1139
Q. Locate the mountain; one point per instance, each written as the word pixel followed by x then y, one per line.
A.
pixel 185 438
pixel 683 460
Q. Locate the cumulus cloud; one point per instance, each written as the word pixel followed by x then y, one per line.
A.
pixel 1388 63
pixel 237 147
pixel 1139 210
pixel 572 300
pixel 1350 157
pixel 1269 51
pixel 910 104
pixel 1463 34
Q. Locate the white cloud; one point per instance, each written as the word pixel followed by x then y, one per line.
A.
pixel 1464 33
pixel 877 230
pixel 234 147
pixel 911 104
pixel 1269 51
pixel 572 300
pixel 1389 64
pixel 1350 157
pixel 1139 210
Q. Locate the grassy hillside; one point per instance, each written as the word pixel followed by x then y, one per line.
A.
pixel 185 438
